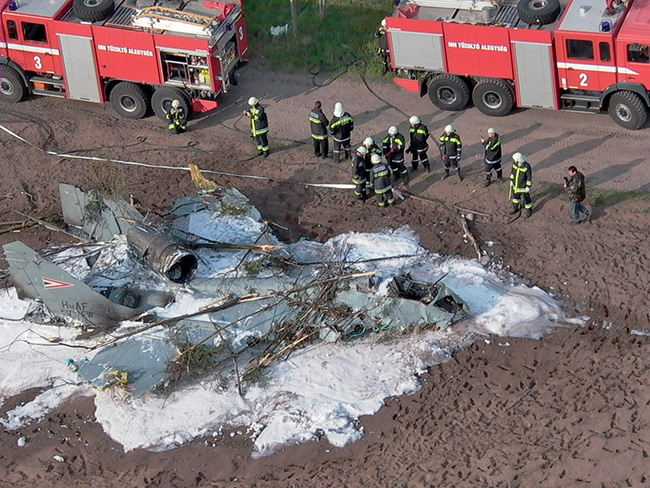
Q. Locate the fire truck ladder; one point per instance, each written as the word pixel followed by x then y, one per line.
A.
pixel 167 18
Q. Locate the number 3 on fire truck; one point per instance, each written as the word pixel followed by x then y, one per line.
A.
pixel 38 64
pixel 241 33
pixel 583 79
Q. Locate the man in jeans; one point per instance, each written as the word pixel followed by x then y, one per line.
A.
pixel 575 185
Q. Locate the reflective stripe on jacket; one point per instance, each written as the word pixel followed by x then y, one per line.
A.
pixel 419 135
pixel 342 127
pixel 318 123
pixel 521 178
pixel 259 122
pixel 493 149
pixel 451 145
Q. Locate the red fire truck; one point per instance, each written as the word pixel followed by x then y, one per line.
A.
pixel 112 50
pixel 586 56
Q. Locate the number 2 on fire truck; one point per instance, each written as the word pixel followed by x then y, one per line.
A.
pixel 583 79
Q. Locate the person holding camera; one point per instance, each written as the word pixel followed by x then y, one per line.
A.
pixel 575 185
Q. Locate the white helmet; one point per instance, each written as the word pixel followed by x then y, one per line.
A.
pixel 362 150
pixel 375 159
pixel 368 141
pixel 415 120
pixel 338 109
pixel 519 158
pixel 450 128
pixel 383 23
pixel 491 130
pixel 392 131
pixel 252 101
pixel 176 104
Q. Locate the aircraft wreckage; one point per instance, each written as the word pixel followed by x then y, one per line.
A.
pixel 261 299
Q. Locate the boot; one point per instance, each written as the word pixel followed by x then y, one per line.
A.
pixel 414 166
pixel 427 166
pixel 488 180
pixel 348 154
pixel 528 213
pixel 499 175
pixel 337 157
pixel 514 209
pixel 460 177
pixel 446 175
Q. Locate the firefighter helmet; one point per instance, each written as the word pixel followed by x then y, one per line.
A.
pixel 362 150
pixel 519 158
pixel 375 159
pixel 491 130
pixel 450 128
pixel 338 109
pixel 383 23
pixel 392 131
pixel 368 141
pixel 415 120
pixel 176 104
pixel 252 101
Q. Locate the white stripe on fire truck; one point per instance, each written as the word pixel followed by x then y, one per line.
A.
pixel 30 49
pixel 596 67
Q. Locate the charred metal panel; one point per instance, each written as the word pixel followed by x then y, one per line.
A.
pixel 80 68
pixel 417 50
pixel 535 75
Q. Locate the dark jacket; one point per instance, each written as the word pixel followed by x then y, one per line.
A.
pixel 177 118
pixel 393 147
pixel 419 135
pixel 521 177
pixel 259 122
pixel 380 178
pixel 318 123
pixel 342 127
pixel 359 170
pixel 493 149
pixel 374 149
pixel 576 187
pixel 451 146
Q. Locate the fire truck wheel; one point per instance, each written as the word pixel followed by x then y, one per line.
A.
pixel 493 97
pixel 538 12
pixel 163 97
pixel 448 92
pixel 12 86
pixel 130 100
pixel 628 110
pixel 92 10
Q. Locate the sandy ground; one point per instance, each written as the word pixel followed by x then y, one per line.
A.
pixel 569 410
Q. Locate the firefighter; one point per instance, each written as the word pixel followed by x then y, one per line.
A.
pixel 259 125
pixel 360 173
pixel 521 181
pixel 372 147
pixel 492 156
pixel 380 180
pixel 383 50
pixel 341 127
pixel 418 147
pixel 319 123
pixel 450 149
pixel 393 149
pixel 177 117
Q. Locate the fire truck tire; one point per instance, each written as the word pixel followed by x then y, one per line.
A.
pixel 12 85
pixel 93 10
pixel 628 110
pixel 493 97
pixel 130 100
pixel 538 12
pixel 163 98
pixel 448 92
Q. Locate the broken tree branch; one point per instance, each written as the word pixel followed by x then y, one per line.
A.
pixel 470 236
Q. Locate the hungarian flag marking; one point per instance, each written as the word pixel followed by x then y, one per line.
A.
pixel 50 284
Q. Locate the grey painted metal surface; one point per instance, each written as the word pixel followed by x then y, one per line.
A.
pixel 416 50
pixel 588 16
pixel 80 68
pixel 535 77
pixel 101 218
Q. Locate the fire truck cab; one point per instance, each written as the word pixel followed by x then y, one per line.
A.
pixel 585 55
pixel 113 50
